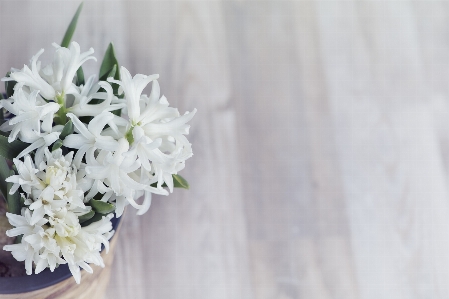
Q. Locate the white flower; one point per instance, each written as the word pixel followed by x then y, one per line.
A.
pixel 154 130
pixel 81 245
pixel 22 226
pixel 143 177
pixel 122 159
pixel 45 139
pixel 81 106
pixel 113 168
pixel 90 136
pixel 133 87
pixel 56 78
pixel 143 147
pixel 26 177
pixel 51 186
pixel 65 64
pixel 88 245
pixel 32 114
pixel 59 240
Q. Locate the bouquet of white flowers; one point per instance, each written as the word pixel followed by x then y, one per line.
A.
pixel 75 151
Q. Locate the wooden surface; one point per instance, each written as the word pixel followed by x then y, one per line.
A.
pixel 321 143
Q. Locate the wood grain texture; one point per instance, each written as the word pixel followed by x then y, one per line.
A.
pixel 201 232
pixel 321 143
pixel 391 164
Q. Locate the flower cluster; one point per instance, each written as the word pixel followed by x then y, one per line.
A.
pixel 90 149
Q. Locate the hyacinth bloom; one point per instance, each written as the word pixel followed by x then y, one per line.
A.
pixel 56 79
pixel 87 150
pixel 154 130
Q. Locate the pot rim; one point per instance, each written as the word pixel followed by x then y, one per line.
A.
pixel 34 282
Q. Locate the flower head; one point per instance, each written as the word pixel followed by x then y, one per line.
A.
pixel 32 115
pixel 110 148
pixel 56 78
pixel 58 240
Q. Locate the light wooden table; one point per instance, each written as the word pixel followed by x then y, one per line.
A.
pixel 321 143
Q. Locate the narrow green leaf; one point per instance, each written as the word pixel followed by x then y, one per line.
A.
pixel 180 182
pixel 13 200
pixel 9 86
pixel 2 112
pixel 71 29
pixel 87 216
pixel 112 72
pixel 67 130
pixel 95 218
pixel 101 206
pixel 80 76
pixel 4 173
pixel 11 150
pixel 109 61
pixel 56 145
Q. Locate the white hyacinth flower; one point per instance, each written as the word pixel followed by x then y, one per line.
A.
pixel 121 159
pixel 90 136
pixel 56 79
pixel 51 183
pixel 112 168
pixel 82 107
pixel 26 177
pixel 60 239
pixel 32 115
pixel 154 130
pixel 45 139
pixel 22 226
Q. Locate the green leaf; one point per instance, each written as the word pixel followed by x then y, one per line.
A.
pixel 95 218
pixel 18 239
pixel 80 76
pixel 180 182
pixel 109 61
pixel 85 217
pixel 112 72
pixel 71 29
pixel 117 112
pixel 9 86
pixel 4 173
pixel 67 130
pixel 101 206
pixel 56 145
pixel 11 150
pixel 13 200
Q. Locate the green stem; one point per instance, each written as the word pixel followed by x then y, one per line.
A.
pixel 129 136
pixel 61 115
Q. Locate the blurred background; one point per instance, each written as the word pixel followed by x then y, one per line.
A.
pixel 321 143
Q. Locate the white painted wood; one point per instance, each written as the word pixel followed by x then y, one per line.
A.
pixel 195 243
pixel 389 153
